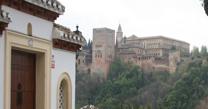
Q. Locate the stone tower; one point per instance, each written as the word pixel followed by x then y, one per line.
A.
pixel 103 50
pixel 119 35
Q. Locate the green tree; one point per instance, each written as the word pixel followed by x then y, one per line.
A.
pixel 195 51
pixel 127 87
pixel 205 4
pixel 203 51
pixel 123 82
pixel 87 87
pixel 116 68
pixel 149 106
pixel 189 90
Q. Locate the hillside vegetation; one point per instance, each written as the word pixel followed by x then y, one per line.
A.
pixel 127 87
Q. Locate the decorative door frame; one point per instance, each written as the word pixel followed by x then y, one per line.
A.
pixel 42 48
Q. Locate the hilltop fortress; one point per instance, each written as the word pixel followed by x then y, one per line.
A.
pixel 154 53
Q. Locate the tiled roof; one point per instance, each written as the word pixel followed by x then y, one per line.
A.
pixel 52 5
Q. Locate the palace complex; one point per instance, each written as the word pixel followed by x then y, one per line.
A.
pixel 155 53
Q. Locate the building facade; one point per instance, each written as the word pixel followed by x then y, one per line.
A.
pixel 155 53
pixel 37 56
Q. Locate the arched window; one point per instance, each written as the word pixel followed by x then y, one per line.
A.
pixel 64 95
pixel 63 99
pixel 29 29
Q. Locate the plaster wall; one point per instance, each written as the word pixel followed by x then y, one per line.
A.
pixel 1 70
pixel 64 63
pixel 19 21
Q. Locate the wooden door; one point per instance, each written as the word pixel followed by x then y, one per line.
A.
pixel 22 80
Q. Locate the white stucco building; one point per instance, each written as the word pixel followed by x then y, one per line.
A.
pixel 37 56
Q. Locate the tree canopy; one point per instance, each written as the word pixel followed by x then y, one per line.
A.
pixel 206 6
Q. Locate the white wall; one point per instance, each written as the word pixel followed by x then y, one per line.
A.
pixel 40 27
pixel 1 70
pixel 64 62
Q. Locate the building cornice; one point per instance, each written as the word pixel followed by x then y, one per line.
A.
pixel 45 9
pixel 65 45
pixel 64 38
pixel 52 5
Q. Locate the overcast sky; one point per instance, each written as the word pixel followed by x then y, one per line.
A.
pixel 180 19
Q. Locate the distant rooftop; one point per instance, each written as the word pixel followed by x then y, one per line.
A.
pixel 134 37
